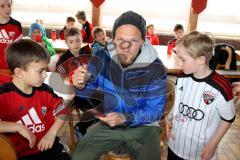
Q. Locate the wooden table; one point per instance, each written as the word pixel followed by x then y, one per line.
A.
pixel 169 61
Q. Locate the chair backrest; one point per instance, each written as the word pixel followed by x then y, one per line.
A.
pixel 7 149
pixel 224 57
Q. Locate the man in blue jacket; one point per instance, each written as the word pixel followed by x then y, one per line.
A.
pixel 133 80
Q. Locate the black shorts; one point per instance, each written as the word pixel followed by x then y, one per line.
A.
pixel 55 153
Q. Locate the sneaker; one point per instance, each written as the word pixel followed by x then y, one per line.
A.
pixel 77 132
pixel 65 147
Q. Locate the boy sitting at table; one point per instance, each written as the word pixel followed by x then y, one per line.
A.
pixel 69 24
pixel 73 40
pixel 99 39
pixel 38 34
pixel 31 114
pixel 178 33
pixel 86 27
pixel 151 36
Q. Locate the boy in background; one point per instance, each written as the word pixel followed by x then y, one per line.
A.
pixel 11 31
pixel 30 113
pixel 69 24
pixel 73 41
pixel 86 27
pixel 99 42
pixel 151 36
pixel 178 33
pixel 38 34
pixel 203 109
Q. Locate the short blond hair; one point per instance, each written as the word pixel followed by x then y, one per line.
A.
pixel 198 44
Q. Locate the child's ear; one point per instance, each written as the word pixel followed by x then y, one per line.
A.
pixel 201 60
pixel 18 72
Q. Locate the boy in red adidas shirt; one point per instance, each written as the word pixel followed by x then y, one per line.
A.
pixel 30 113
pixel 10 31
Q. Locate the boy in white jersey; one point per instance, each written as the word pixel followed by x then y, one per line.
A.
pixel 203 109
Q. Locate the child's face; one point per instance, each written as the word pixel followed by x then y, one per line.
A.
pixel 101 38
pixel 70 25
pixel 37 35
pixel 80 21
pixel 185 62
pixel 74 43
pixel 179 34
pixel 5 8
pixel 35 73
pixel 36 32
pixel 150 30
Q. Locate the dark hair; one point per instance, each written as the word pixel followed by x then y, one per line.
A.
pixel 96 30
pixel 178 27
pixel 70 19
pixel 81 15
pixel 22 52
pixel 72 32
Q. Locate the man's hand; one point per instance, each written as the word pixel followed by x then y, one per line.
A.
pixel 208 151
pixel 47 141
pixel 26 133
pixel 80 76
pixel 113 119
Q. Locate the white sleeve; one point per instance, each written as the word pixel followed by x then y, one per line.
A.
pixel 226 109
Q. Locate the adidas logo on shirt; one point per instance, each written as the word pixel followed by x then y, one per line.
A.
pixel 32 121
pixel 4 37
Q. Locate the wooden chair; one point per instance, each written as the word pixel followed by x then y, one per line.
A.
pixel 228 61
pixel 224 58
pixel 7 151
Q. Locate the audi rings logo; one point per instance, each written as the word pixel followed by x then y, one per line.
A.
pixel 190 112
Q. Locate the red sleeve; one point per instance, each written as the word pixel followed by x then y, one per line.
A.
pixel 18 33
pixel 3 107
pixel 55 103
pixel 91 37
pixel 61 35
pixel 169 48
pixel 58 106
pixel 84 35
pixel 155 40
